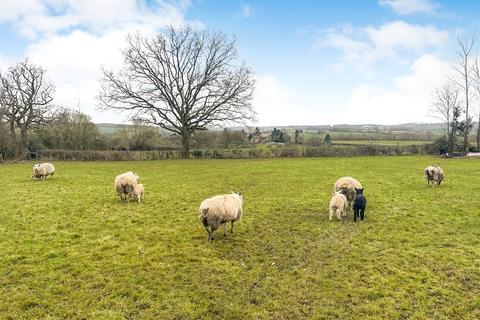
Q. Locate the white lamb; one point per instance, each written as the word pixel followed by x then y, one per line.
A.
pixel 138 192
pixel 125 184
pixel 41 171
pixel 221 210
pixel 338 205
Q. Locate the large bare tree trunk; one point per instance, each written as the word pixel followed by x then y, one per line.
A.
pixel 186 136
pixel 22 151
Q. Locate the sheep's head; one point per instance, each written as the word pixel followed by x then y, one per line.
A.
pixel 136 175
pixel 359 190
pixel 238 194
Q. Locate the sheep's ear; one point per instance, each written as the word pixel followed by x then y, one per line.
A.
pixel 240 193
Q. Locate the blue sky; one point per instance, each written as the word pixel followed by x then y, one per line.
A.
pixel 316 62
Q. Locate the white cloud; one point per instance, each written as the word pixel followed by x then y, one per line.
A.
pixel 363 46
pixel 12 10
pixel 408 101
pixel 247 10
pixel 276 104
pixel 3 63
pixel 73 45
pixel 407 7
pixel 73 62
pixel 34 18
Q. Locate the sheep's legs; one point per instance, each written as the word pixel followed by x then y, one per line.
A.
pixel 225 229
pixel 355 215
pixel 231 228
pixel 339 214
pixel 362 214
pixel 209 234
pixel 330 215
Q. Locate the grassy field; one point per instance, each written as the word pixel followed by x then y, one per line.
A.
pixel 72 250
pixel 383 142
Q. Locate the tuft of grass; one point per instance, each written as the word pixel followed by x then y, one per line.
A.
pixel 72 250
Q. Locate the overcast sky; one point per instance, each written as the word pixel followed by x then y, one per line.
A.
pixel 316 62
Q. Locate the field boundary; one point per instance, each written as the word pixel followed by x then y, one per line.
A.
pixel 238 153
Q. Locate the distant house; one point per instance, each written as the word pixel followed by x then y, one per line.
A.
pixel 367 128
pixel 260 138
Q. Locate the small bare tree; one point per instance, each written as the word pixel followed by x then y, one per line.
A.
pixel 463 78
pixel 445 100
pixel 182 80
pixel 26 96
pixel 476 83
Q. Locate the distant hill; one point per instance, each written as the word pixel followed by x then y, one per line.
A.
pixel 418 127
pixel 110 127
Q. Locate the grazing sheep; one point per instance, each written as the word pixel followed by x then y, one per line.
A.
pixel 34 172
pixel 434 174
pixel 359 205
pixel 41 171
pixel 221 210
pixel 338 205
pixel 125 184
pixel 347 185
pixel 138 192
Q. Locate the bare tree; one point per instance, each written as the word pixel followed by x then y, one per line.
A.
pixel 476 83
pixel 182 80
pixel 74 130
pixel 26 96
pixel 446 99
pixel 464 76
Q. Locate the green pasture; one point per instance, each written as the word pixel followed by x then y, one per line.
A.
pixel 71 250
pixel 383 142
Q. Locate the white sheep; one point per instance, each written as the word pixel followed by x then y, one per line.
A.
pixel 34 172
pixel 434 174
pixel 41 171
pixel 347 185
pixel 338 205
pixel 138 192
pixel 125 184
pixel 221 210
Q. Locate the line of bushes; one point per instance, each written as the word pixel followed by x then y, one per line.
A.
pixel 114 155
pixel 247 153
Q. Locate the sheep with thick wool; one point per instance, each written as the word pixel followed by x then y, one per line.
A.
pixel 338 205
pixel 125 184
pixel 219 210
pixel 42 171
pixel 138 192
pixel 347 186
pixel 34 171
pixel 434 174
